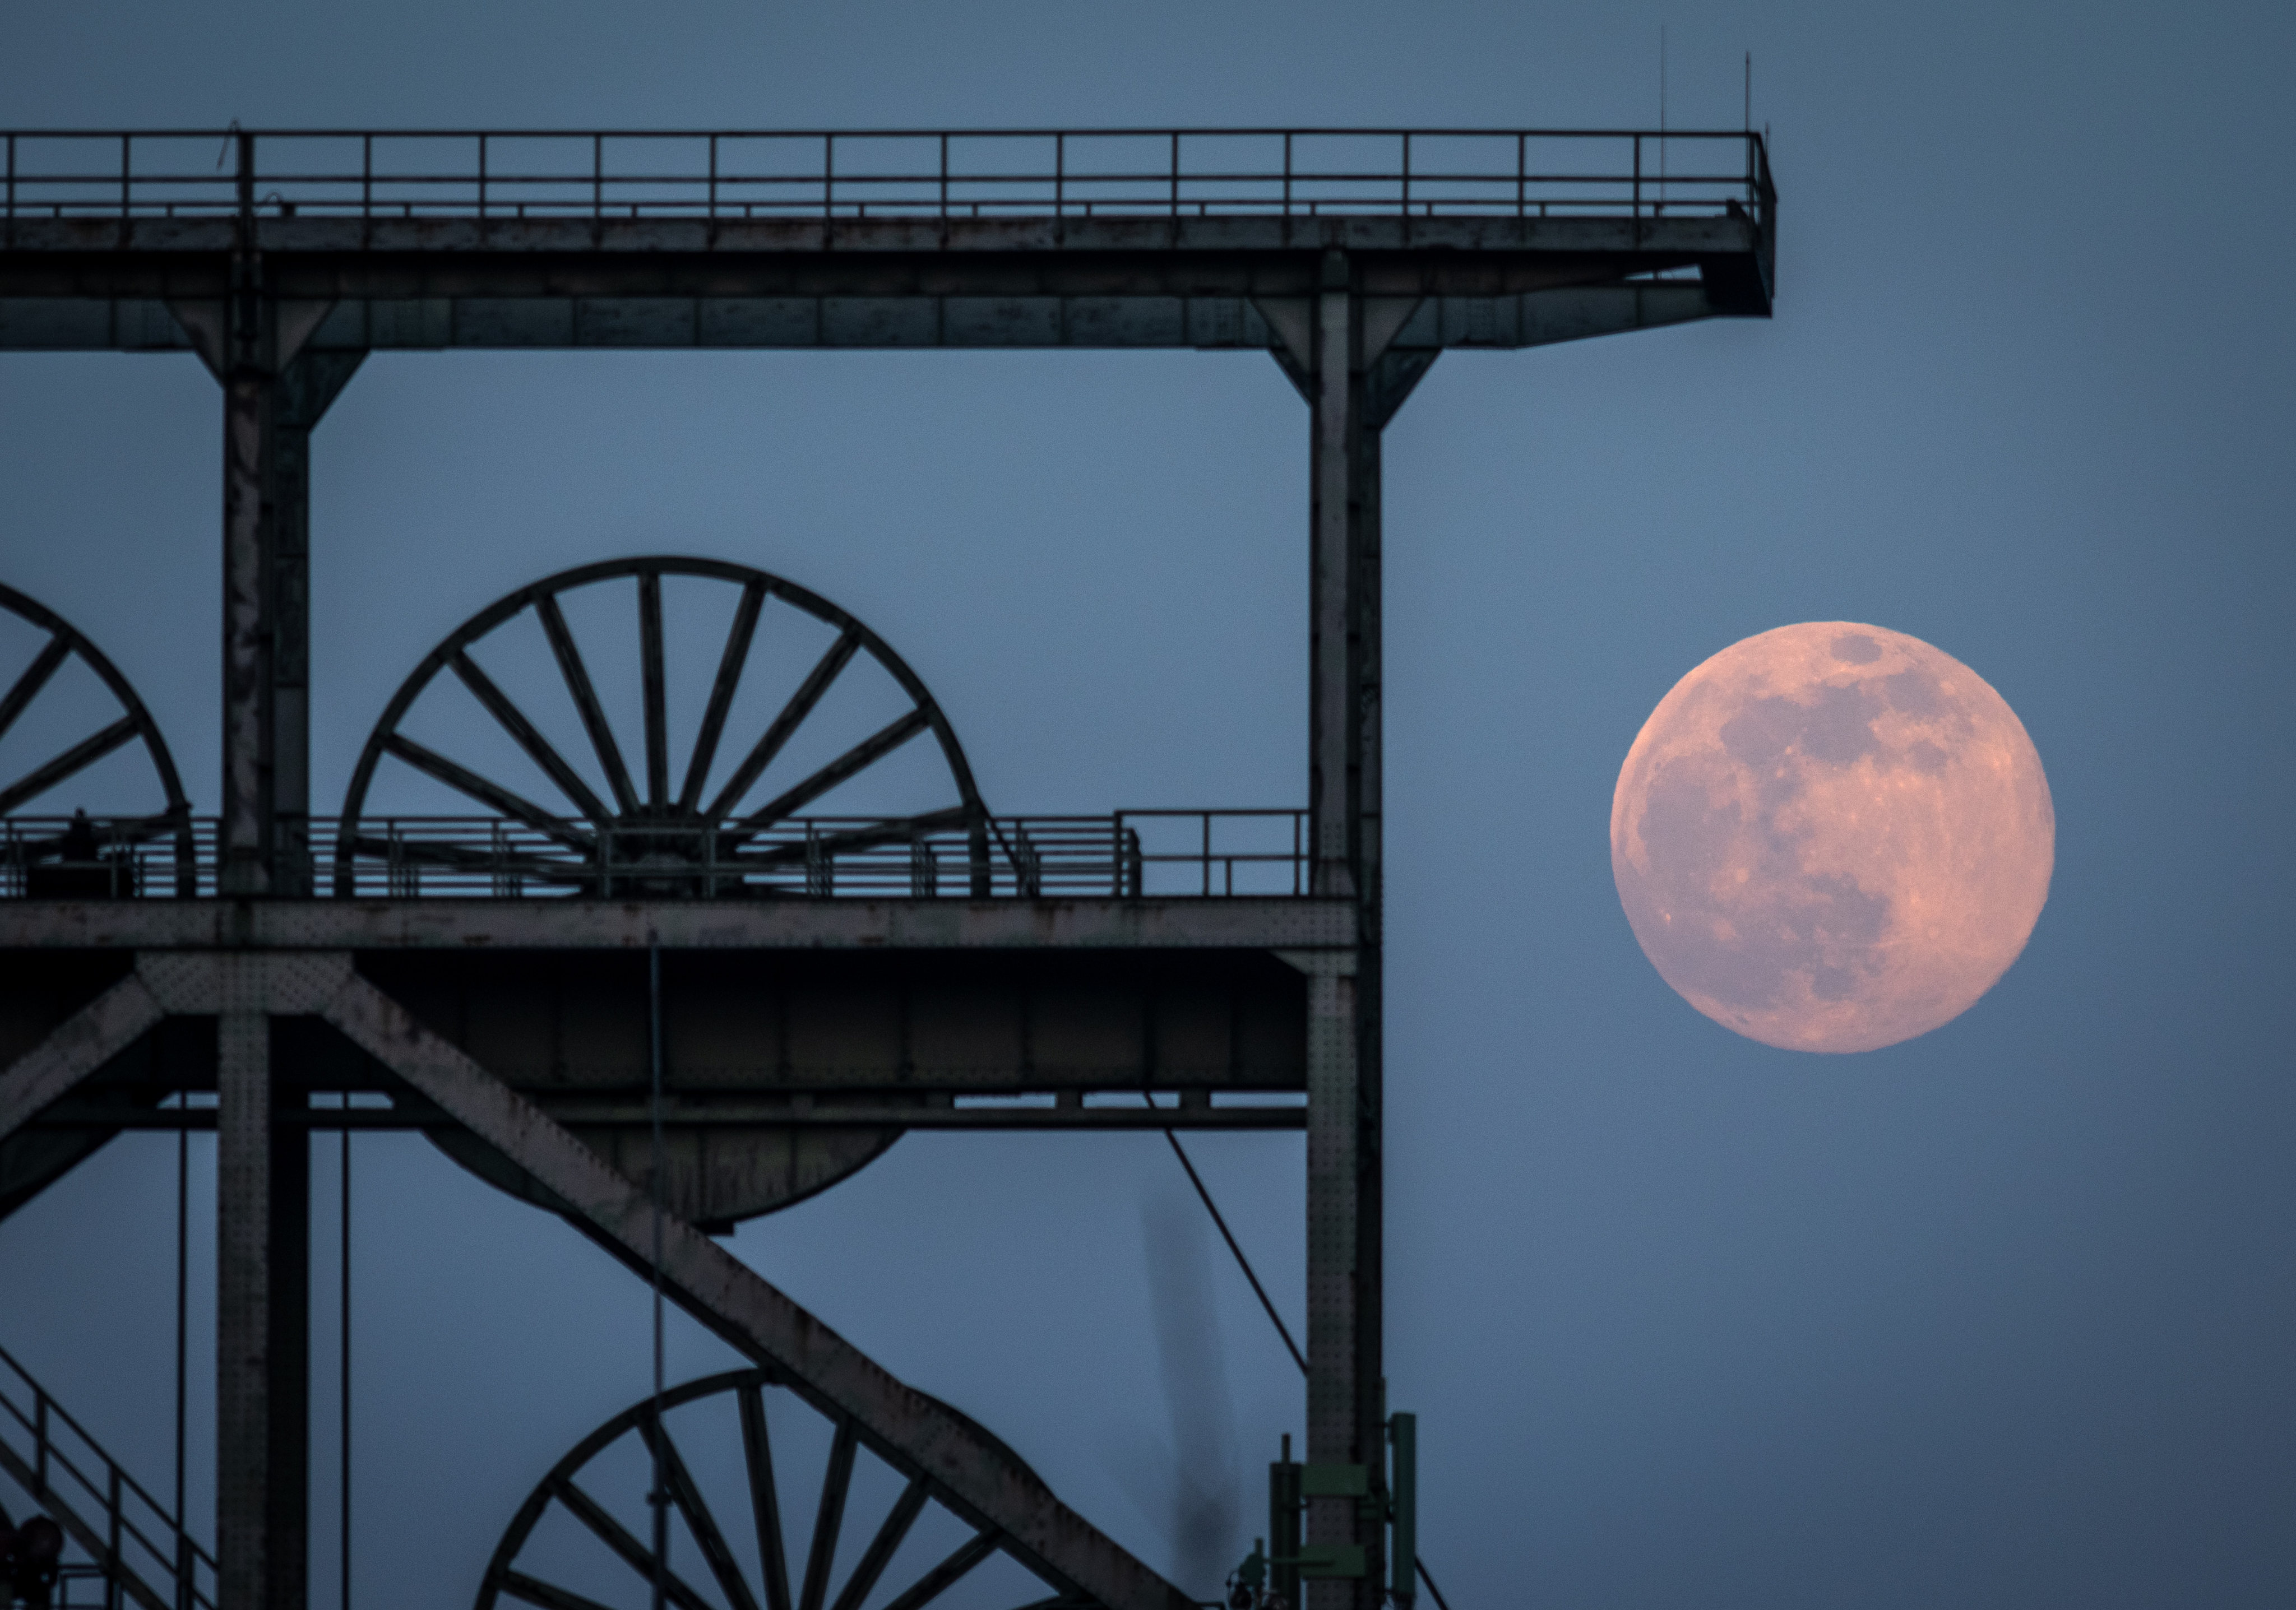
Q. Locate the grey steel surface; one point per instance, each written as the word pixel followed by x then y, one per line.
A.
pixel 1353 381
pixel 131 1539
pixel 1241 923
pixel 969 1470
pixel 1353 258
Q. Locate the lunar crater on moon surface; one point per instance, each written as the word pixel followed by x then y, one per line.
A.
pixel 1832 836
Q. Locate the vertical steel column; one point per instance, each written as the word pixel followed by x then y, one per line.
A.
pixel 245 1201
pixel 262 1315
pixel 271 402
pixel 249 459
pixel 301 390
pixel 1344 1407
pixel 247 367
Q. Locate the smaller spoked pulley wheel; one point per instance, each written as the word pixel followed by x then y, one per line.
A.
pixel 64 713
pixel 766 1503
pixel 657 726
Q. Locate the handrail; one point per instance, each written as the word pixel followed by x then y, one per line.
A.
pixel 509 174
pixel 49 1475
pixel 1210 854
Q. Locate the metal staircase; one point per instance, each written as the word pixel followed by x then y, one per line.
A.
pixel 133 1550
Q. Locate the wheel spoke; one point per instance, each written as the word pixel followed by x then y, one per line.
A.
pixel 538 748
pixel 801 705
pixel 519 1586
pixel 763 1504
pixel 634 1554
pixel 867 752
pixel 585 700
pixel 938 1581
pixel 77 758
pixel 880 1553
pixel 28 685
pixel 721 696
pixel 657 695
pixel 467 781
pixel 830 1519
pixel 696 1511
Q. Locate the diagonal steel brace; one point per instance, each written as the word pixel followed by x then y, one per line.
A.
pixel 969 1470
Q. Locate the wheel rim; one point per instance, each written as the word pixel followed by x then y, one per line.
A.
pixel 65 643
pixel 655 820
pixel 742 1552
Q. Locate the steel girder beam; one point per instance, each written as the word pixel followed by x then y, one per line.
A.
pixel 76 1049
pixel 362 253
pixel 608 321
pixel 1244 922
pixel 977 1475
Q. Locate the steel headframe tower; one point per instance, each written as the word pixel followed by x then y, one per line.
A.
pixel 1354 257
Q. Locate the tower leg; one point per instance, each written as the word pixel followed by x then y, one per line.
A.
pixel 1345 1392
pixel 263 1356
pixel 271 399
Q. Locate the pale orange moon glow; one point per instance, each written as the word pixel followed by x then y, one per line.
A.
pixel 1832 836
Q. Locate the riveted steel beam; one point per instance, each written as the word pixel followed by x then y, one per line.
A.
pixel 1243 922
pixel 978 1477
pixel 76 1049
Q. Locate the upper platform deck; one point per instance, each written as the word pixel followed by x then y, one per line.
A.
pixel 1210 238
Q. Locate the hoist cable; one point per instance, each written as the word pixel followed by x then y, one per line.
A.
pixel 1244 1264
pixel 659 1498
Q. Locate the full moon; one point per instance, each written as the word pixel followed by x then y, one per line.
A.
pixel 1832 837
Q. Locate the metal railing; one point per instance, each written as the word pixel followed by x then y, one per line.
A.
pixel 134 1543
pixel 1202 853
pixel 883 174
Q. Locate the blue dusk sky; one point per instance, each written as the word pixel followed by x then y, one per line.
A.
pixel 2004 1316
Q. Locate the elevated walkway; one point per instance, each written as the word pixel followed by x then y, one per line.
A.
pixel 122 1545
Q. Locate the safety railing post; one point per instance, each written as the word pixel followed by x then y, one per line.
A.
pixel 366 175
pixel 482 175
pixel 1638 176
pixel 1406 173
pixel 828 177
pixel 1174 175
pixel 127 174
pixel 1521 173
pixel 1205 857
pixel 1060 174
pixel 597 177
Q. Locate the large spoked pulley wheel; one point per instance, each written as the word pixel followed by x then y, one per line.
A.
pixel 771 1504
pixel 657 725
pixel 80 856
